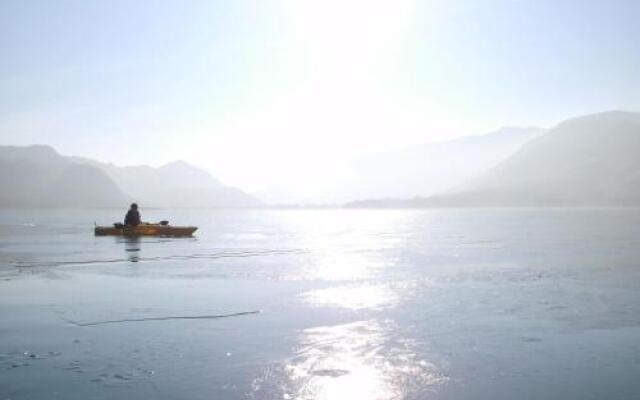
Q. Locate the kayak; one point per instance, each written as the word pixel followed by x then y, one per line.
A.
pixel 145 230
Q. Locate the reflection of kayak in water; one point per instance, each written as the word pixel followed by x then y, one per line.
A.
pixel 145 229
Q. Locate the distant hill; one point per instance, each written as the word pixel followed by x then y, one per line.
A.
pixel 37 176
pixel 592 160
pixel 432 168
pixel 176 184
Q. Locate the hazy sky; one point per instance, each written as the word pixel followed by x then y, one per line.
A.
pixel 280 92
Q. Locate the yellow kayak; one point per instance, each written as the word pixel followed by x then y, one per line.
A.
pixel 145 229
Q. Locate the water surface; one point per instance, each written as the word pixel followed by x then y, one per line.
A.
pixel 371 304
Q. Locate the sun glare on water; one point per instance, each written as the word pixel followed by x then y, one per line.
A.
pixel 358 360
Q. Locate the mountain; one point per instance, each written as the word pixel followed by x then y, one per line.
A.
pixel 587 161
pixel 37 176
pixel 433 168
pixel 174 185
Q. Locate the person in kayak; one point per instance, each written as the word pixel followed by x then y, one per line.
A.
pixel 133 216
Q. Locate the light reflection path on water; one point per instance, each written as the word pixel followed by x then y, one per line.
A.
pixel 359 360
pixel 347 246
pixel 354 297
pixel 364 359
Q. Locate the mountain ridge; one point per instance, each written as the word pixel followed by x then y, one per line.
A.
pixel 586 161
pixel 38 176
pixel 431 168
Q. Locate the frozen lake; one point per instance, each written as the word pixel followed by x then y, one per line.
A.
pixel 353 304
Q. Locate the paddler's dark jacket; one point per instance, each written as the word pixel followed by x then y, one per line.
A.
pixel 132 218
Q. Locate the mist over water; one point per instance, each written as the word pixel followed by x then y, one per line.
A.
pixel 377 304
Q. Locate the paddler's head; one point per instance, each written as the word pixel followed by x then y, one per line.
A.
pixel 134 206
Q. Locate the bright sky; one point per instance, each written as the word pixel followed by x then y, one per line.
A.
pixel 265 93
